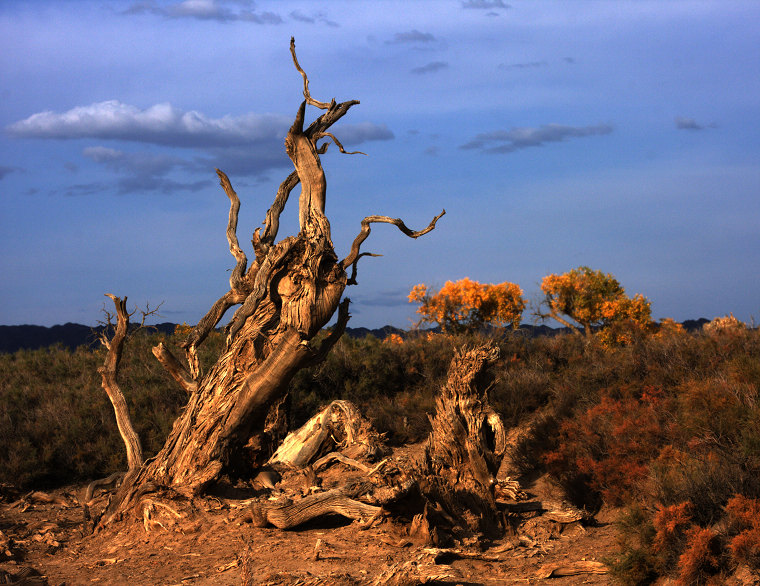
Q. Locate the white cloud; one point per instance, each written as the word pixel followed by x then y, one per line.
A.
pixel 508 141
pixel 159 124
pixel 205 10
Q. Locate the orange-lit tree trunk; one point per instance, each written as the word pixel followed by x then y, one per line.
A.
pixel 289 292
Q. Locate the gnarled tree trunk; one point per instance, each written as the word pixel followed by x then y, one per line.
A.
pixel 290 291
pixel 465 448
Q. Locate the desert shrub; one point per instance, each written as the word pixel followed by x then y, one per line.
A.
pixel 700 561
pixel 57 424
pixel 634 563
pixel 667 420
pixel 671 528
pixel 727 324
pixel 744 528
pixel 611 443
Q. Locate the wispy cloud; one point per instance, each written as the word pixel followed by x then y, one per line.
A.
pixel 160 124
pixel 217 10
pixel 485 4
pixel 394 298
pixel 319 17
pixel 430 67
pixel 6 170
pixel 140 172
pixel 527 65
pixel 690 124
pixel 413 36
pixel 141 163
pixel 362 132
pixel 509 141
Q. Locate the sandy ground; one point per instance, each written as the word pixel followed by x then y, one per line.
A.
pixel 44 533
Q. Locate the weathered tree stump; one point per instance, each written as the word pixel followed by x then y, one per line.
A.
pixel 465 447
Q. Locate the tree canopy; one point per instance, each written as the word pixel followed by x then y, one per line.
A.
pixel 595 300
pixel 467 305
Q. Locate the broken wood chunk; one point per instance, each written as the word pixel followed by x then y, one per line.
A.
pixel 572 569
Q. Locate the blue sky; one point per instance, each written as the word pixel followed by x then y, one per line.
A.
pixel 620 135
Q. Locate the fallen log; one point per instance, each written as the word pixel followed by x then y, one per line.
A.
pixel 339 427
pixel 287 514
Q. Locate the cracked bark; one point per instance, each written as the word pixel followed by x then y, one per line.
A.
pixel 286 296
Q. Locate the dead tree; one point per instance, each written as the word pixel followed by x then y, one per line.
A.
pixel 290 291
pixel 114 345
pixel 109 371
pixel 448 493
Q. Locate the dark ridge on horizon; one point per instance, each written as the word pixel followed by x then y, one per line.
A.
pixel 71 335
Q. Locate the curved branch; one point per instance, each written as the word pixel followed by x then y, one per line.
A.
pixel 352 279
pixel 311 101
pixel 242 261
pixel 272 221
pixel 353 256
pixel 323 148
pixel 174 368
pixel 239 286
pixel 108 372
pixel 335 113
pixel 557 317
pixel 319 354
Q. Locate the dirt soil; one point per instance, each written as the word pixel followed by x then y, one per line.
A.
pixel 43 540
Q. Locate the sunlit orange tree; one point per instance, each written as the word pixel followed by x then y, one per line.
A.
pixel 595 301
pixel 467 305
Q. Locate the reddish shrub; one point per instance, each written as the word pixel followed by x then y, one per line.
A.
pixel 671 525
pixel 743 512
pixel 744 517
pixel 701 559
pixel 612 444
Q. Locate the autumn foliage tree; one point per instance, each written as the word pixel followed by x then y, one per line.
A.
pixel 467 305
pixel 594 299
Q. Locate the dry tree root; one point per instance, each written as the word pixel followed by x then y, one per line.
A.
pixel 112 480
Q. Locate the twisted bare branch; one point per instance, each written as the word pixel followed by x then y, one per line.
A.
pixel 311 101
pixel 334 112
pixel 352 279
pixel 239 287
pixel 242 262
pixel 323 149
pixel 354 255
